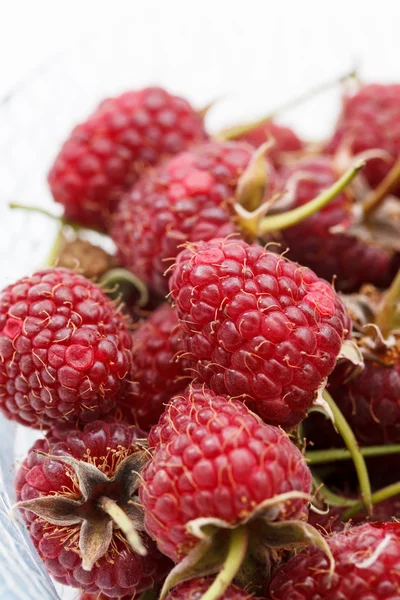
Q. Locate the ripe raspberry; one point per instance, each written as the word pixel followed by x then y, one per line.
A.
pixel 213 458
pixel 64 349
pixel 156 373
pixel 257 326
pixel 369 120
pixel 189 198
pixel 312 243
pixel 195 588
pixel 105 154
pixel 367 559
pixel 332 520
pixel 285 140
pixel 66 496
pixel 371 403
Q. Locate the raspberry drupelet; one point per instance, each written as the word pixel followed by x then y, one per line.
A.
pixel 64 349
pixel 105 154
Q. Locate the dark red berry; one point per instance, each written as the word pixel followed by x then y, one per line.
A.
pixel 189 198
pixel 257 326
pixel 105 154
pixel 367 559
pixel 351 261
pixel 284 138
pixel 369 121
pixel 64 349
pixel 156 373
pixel 65 548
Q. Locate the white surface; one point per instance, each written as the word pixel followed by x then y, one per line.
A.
pixel 58 59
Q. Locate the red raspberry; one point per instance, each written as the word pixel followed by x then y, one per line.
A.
pixel 105 154
pixel 156 373
pixel 195 588
pixel 285 140
pixel 64 349
pixel 257 326
pixel 369 120
pixel 189 198
pixel 116 572
pixel 332 520
pixel 371 403
pixel 330 254
pixel 213 458
pixel 367 560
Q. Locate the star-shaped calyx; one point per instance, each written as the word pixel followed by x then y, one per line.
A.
pixel 105 504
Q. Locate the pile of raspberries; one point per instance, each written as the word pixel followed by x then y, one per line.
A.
pixel 218 401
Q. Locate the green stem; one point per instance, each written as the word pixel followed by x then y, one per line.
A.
pixel 376 196
pixel 55 249
pixel 383 494
pixel 234 559
pixel 124 281
pixel 330 497
pixel 125 524
pixel 389 308
pixel 351 443
pixel 317 457
pixel 42 211
pixel 238 130
pixel 292 217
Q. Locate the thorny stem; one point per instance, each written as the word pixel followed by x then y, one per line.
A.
pixel 317 457
pixel 375 197
pixel 383 494
pixel 391 303
pixel 234 559
pixel 349 439
pixel 122 520
pixel 236 131
pixel 292 217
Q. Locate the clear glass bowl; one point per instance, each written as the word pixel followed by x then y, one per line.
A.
pixel 37 116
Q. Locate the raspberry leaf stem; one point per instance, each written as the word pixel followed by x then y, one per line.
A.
pixel 329 497
pixel 292 217
pixel 383 494
pixel 388 314
pixel 317 457
pixel 121 519
pixel 349 439
pixel 236 131
pixel 376 196
pixel 235 556
pixel 119 283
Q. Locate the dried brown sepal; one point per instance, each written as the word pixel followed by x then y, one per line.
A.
pixel 85 258
pixel 105 503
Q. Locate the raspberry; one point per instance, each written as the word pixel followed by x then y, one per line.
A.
pixel 371 403
pixel 367 559
pixel 195 588
pixel 332 520
pixel 369 120
pixel 64 349
pixel 257 326
pixel 105 154
pixel 213 458
pixel 312 243
pixel 65 529
pixel 285 140
pixel 189 198
pixel 156 374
